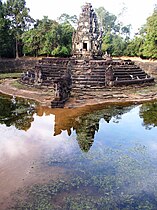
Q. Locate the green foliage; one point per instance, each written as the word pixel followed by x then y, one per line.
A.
pixel 18 15
pixel 150 45
pixel 65 18
pixel 113 44
pixel 6 38
pixel 64 52
pixel 148 114
pixel 31 40
pixel 61 52
pixel 115 34
pixel 144 44
pixel 42 38
pixel 118 45
pixel 135 47
pixel 107 20
pixel 106 45
pixel 15 112
pixel 125 31
pixel 48 38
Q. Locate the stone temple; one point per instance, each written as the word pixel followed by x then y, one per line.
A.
pixel 86 69
pixel 87 39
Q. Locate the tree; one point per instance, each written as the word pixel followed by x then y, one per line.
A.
pixel 107 43
pixel 65 18
pixel 6 38
pixel 125 31
pixel 48 37
pixel 115 34
pixel 106 19
pixel 18 15
pixel 150 44
pixel 148 113
pixel 66 35
pixel 135 47
pixel 62 45
pixel 31 42
pixel 118 45
pixel 39 40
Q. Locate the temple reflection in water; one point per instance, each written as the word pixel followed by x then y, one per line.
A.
pixel 83 121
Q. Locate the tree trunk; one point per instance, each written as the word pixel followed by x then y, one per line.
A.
pixel 17 50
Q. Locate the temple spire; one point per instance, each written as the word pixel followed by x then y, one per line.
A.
pixel 87 39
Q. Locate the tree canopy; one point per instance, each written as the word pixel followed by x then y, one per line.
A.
pixel 144 43
pixel 150 43
pixel 21 35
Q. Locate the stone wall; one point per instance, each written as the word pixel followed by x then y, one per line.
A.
pixel 16 66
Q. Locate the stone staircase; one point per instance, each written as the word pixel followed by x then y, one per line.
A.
pixel 87 75
pixel 52 69
pixel 129 73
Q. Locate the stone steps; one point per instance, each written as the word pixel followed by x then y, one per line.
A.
pixel 130 82
pixel 129 72
pixel 131 76
pixel 88 79
pixel 88 75
pixel 81 82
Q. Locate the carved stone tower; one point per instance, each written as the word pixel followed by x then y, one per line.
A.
pixel 87 39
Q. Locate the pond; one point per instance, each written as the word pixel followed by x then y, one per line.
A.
pixel 98 157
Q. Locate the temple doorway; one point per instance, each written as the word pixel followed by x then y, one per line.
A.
pixel 85 46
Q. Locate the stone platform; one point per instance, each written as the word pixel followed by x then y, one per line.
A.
pixel 69 74
pixel 98 74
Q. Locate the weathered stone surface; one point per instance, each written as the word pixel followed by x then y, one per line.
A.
pixel 87 39
pixel 13 65
pixel 62 88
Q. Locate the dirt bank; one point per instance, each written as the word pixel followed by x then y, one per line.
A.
pixel 113 95
pixel 12 88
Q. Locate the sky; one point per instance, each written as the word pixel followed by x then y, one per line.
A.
pixel 135 14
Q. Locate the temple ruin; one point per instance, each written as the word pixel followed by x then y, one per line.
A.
pixel 86 69
pixel 87 39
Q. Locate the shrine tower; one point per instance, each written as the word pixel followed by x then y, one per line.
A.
pixel 87 39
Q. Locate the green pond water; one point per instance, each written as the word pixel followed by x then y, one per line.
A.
pixel 101 157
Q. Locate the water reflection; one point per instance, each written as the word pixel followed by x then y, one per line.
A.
pixel 83 121
pixel 18 113
pixel 148 112
pixel 85 158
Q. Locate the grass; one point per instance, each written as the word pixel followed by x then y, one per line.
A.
pixel 20 86
pixel 10 75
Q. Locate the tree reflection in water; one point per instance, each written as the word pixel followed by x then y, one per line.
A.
pixel 84 120
pixel 15 112
pixel 119 172
pixel 148 112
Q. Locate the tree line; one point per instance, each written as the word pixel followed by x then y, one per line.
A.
pixel 21 35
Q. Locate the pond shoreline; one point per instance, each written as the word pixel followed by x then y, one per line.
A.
pixel 115 95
